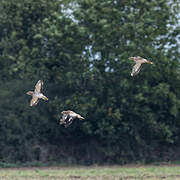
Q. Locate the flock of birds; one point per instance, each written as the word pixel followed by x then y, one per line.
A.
pixel 68 116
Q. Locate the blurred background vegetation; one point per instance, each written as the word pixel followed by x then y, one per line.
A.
pixel 80 48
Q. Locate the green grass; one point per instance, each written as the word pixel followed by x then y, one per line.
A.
pixel 92 172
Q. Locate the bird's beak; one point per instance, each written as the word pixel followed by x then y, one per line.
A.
pixel 150 62
pixel 45 98
pixel 81 118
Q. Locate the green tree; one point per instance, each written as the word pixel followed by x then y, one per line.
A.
pixel 135 115
pixel 80 49
pixel 37 41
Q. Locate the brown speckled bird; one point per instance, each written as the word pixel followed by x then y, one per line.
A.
pixel 68 117
pixel 36 94
pixel 138 60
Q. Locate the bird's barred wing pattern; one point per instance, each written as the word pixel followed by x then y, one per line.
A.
pixel 68 122
pixel 63 119
pixel 67 118
pixel 39 86
pixel 136 68
pixel 34 101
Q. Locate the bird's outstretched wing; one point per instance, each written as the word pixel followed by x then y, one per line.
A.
pixel 63 119
pixel 34 101
pixel 136 68
pixel 68 122
pixel 39 86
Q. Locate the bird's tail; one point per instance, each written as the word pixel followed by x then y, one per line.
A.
pixel 30 93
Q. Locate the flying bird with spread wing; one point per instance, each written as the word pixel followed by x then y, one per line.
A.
pixel 139 61
pixel 36 94
pixel 68 117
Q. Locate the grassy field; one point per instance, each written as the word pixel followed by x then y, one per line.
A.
pixel 171 172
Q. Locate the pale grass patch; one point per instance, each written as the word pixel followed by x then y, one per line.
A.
pixel 92 173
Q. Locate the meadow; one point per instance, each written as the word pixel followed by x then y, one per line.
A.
pixel 92 172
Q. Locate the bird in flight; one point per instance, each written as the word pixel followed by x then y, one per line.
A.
pixel 36 94
pixel 68 117
pixel 138 60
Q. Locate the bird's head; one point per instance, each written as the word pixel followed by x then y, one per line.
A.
pixel 45 98
pixel 80 117
pixel 149 62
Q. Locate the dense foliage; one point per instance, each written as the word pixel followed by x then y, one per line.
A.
pixel 80 49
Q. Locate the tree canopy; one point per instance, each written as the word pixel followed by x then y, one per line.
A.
pixel 80 49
